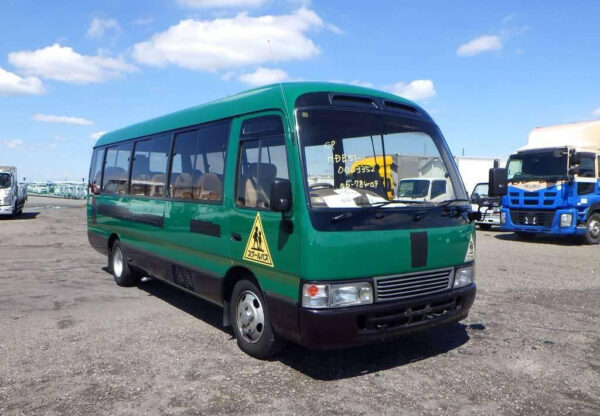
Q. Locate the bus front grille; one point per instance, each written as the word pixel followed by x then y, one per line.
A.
pixel 539 218
pixel 412 284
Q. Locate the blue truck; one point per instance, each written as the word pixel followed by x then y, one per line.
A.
pixel 551 185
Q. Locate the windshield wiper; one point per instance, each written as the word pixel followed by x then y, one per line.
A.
pixel 399 201
pixel 449 201
pixel 341 216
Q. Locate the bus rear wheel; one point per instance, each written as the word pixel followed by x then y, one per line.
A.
pixel 252 321
pixel 117 264
pixel 592 229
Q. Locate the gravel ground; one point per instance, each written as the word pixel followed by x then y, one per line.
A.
pixel 72 342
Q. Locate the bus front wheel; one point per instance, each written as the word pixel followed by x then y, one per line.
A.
pixel 592 229
pixel 252 321
pixel 119 268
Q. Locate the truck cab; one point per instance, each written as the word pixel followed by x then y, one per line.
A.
pixel 553 183
pixel 488 206
pixel 423 189
pixel 12 196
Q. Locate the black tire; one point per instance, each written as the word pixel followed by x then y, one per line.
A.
pixel 117 264
pixel 592 229
pixel 255 337
pixel 485 227
pixel 525 236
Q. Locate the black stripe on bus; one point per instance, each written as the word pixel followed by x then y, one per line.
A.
pixel 418 249
pixel 123 213
pixel 205 227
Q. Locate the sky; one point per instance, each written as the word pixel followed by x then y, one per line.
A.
pixel 487 72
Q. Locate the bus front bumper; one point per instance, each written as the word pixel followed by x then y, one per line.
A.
pixel 368 324
pixel 6 209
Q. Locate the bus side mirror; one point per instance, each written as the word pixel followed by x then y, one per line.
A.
pixel 281 195
pixel 498 182
pixel 575 158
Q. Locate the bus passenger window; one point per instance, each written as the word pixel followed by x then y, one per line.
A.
pixel 148 172
pixel 96 171
pixel 198 163
pixel 261 161
pixel 116 169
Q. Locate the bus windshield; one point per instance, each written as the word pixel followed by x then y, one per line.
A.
pixel 356 160
pixel 543 165
pixel 4 180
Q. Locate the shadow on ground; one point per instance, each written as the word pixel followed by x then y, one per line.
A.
pixel 562 240
pixel 330 365
pixel 23 216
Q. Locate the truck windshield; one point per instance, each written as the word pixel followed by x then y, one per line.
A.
pixel 4 180
pixel 356 159
pixel 413 188
pixel 481 190
pixel 546 165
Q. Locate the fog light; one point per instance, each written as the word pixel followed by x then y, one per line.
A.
pixel 566 220
pixel 315 296
pixel 502 217
pixel 464 276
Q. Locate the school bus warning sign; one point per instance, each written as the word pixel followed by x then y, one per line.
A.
pixel 257 248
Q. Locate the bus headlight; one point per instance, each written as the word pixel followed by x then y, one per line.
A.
pixel 470 254
pixel 464 276
pixel 336 296
pixel 350 294
pixel 502 217
pixel 566 220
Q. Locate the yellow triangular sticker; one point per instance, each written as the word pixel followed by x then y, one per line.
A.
pixel 257 248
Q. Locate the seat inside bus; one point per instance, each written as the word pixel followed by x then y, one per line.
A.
pixel 257 186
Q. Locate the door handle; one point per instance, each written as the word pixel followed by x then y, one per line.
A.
pixel 236 237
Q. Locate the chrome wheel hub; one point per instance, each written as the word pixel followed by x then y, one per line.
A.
pixel 250 317
pixel 594 228
pixel 117 262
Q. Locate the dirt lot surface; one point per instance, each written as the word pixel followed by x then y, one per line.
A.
pixel 73 343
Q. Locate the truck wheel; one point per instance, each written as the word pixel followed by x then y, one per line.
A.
pixel 119 268
pixel 592 229
pixel 252 321
pixel 485 227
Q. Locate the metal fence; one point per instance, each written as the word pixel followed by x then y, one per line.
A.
pixel 69 190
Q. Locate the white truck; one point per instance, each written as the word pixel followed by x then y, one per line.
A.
pixel 12 196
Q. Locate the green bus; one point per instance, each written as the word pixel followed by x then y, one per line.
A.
pixel 251 202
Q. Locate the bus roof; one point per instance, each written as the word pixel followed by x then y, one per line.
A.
pixel 262 98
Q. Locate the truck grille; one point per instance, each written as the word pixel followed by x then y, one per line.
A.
pixel 412 284
pixel 537 218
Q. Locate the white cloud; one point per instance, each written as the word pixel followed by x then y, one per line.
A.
pixel 99 27
pixel 221 4
pixel 335 29
pixel 596 112
pixel 263 76
pixel 15 144
pixel 61 119
pixel 479 45
pixel 12 84
pixel 360 83
pixel 225 43
pixel 62 63
pixel 420 89
pixel 97 135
